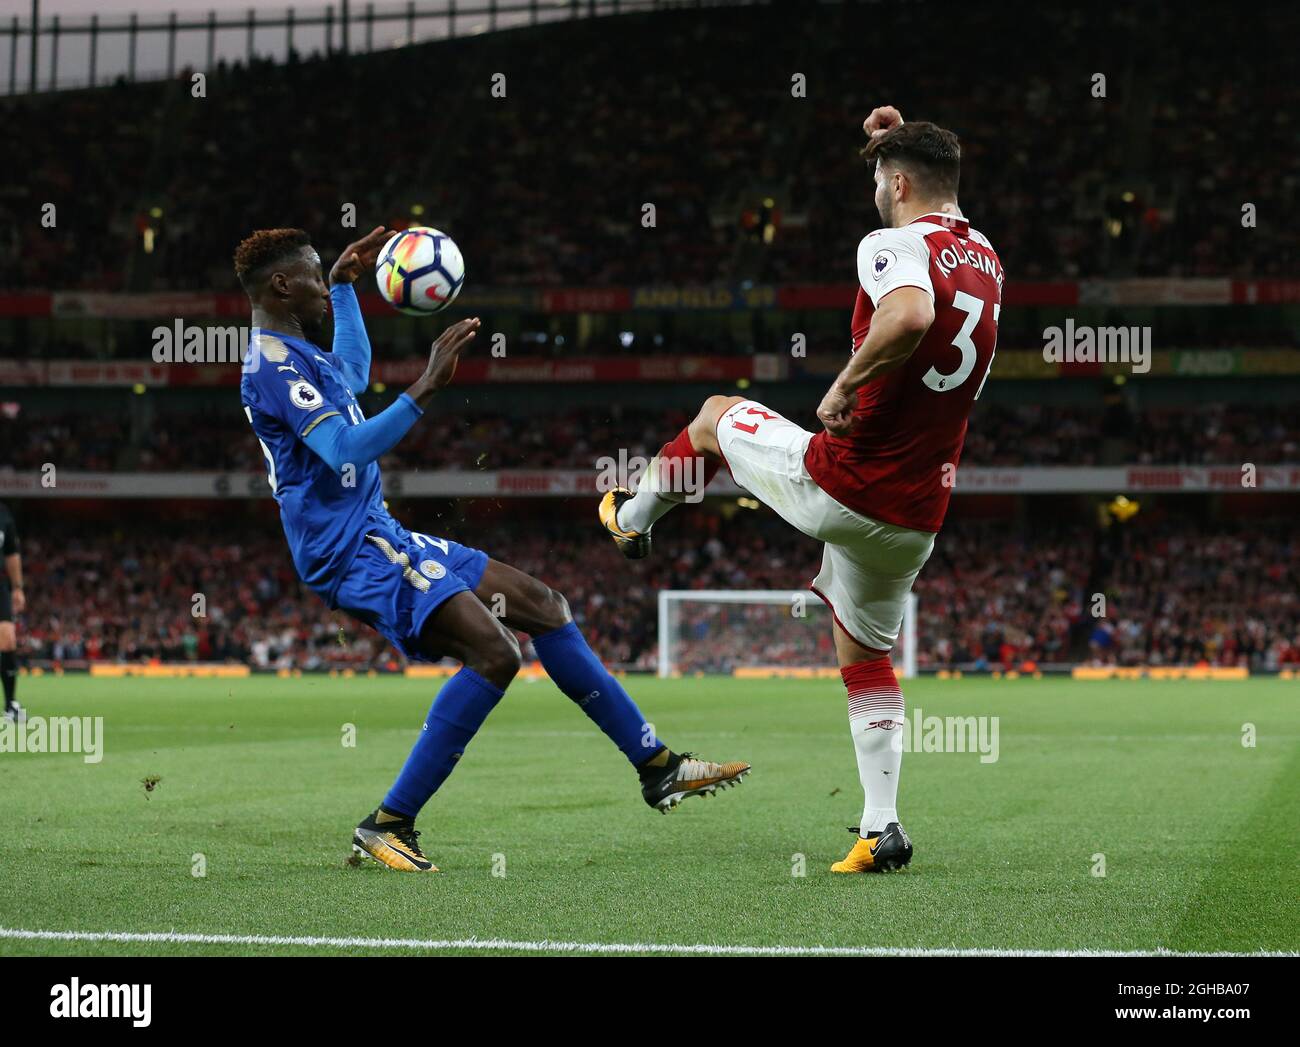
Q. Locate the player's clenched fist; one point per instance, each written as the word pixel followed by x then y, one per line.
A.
pixel 836 411
pixel 883 118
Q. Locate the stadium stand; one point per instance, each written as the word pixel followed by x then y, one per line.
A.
pixel 993 596
pixel 779 194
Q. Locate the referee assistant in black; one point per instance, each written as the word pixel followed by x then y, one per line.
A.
pixel 12 603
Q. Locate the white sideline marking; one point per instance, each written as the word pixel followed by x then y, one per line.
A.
pixel 546 945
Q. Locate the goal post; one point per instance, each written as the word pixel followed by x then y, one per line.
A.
pixel 753 630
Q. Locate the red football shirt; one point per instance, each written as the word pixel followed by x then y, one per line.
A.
pixel 899 463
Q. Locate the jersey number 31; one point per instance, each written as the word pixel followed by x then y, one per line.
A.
pixel 973 308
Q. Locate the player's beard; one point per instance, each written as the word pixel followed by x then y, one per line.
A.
pixel 313 328
pixel 886 209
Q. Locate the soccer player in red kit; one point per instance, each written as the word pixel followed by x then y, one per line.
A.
pixel 874 485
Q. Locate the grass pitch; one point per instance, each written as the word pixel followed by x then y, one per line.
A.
pixel 1198 832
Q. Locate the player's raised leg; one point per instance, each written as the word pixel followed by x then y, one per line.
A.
pixel 680 471
pixel 533 607
pixel 463 629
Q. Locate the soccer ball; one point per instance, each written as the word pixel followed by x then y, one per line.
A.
pixel 420 271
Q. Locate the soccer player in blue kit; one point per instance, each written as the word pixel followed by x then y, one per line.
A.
pixel 428 596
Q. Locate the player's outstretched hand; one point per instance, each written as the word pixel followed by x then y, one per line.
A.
pixel 443 358
pixel 836 411
pixel 447 349
pixel 359 256
pixel 883 118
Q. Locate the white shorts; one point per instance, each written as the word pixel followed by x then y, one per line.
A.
pixel 868 567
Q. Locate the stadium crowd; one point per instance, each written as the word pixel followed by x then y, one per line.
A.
pixel 992 596
pixel 214 439
pixel 648 335
pixel 547 184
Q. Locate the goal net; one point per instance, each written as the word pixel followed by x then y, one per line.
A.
pixel 758 632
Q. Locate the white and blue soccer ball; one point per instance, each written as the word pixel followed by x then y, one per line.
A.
pixel 420 271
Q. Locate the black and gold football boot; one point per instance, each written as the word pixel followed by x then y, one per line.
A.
pixel 631 544
pixel 391 843
pixel 682 775
pixel 882 851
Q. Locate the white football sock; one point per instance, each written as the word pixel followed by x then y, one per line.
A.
pixel 876 724
pixel 880 755
pixel 640 512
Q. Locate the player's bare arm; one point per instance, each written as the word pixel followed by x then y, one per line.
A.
pixel 897 328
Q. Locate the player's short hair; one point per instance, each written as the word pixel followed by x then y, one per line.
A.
pixel 927 152
pixel 258 253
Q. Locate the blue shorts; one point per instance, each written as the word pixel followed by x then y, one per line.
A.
pixel 399 577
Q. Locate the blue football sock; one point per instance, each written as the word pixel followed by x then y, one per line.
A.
pixel 457 713
pixel 578 673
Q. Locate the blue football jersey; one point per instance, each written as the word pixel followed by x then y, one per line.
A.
pixel 290 386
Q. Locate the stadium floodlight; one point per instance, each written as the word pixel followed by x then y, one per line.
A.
pixel 756 631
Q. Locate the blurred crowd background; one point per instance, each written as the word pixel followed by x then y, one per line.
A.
pixel 697 113
pixel 1178 591
pixel 215 437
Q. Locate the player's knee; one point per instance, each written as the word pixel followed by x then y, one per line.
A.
pixel 8 636
pixel 714 406
pixel 554 610
pixel 499 659
pixel 705 424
